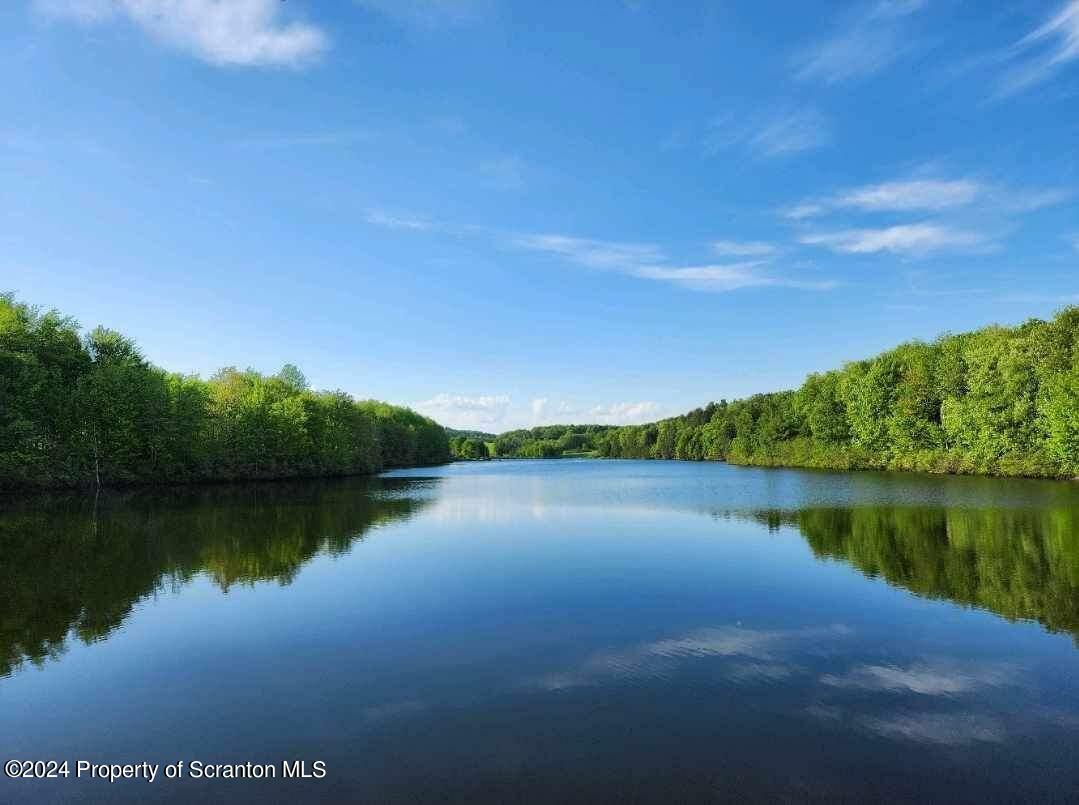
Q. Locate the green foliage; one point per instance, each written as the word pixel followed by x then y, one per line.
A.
pixel 1019 563
pixel 999 401
pixel 464 448
pixel 85 410
pixel 549 441
pixel 74 566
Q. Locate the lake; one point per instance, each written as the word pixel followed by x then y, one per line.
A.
pixel 550 631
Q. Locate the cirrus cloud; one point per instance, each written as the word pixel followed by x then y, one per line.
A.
pixel 649 261
pixel 904 239
pixel 862 44
pixel 247 33
pixel 1058 40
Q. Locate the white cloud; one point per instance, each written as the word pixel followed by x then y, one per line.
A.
pixel 497 413
pixel 539 407
pixel 547 412
pixel 747 248
pixel 863 45
pixel 392 221
pixel 805 209
pixel 791 133
pixel 625 413
pixel 484 412
pixel 929 680
pixel 239 32
pixel 594 253
pixel 905 239
pixel 916 194
pixel 779 133
pixel 1056 42
pixel 648 261
pixel 728 277
pixel 904 195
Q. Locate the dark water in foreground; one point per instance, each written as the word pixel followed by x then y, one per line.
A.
pixel 551 632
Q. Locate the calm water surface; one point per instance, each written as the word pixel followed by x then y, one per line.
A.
pixel 552 632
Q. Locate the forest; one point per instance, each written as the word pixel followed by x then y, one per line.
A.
pixel 996 401
pixel 470 445
pixel 549 441
pixel 89 409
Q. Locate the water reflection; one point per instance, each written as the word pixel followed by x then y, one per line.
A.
pixel 77 565
pixel 579 631
pixel 1021 564
pixel 659 659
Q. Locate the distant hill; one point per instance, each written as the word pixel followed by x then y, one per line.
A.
pixel 471 434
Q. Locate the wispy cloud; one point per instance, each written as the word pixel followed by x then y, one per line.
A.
pixel 916 194
pixel 969 215
pixel 625 413
pixel 1016 201
pixel 905 239
pixel 774 134
pixel 548 411
pixel 481 412
pixel 904 195
pixel 594 253
pixel 545 410
pixel 926 679
pixel 930 193
pixel 387 220
pixel 498 412
pixel 648 261
pixel 793 132
pixel 1043 51
pixel 244 32
pixel 945 729
pixel 863 44
pixel 729 277
pixel 656 659
pixel 745 248
pixel 803 210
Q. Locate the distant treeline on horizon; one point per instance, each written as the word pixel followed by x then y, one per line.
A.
pixel 87 409
pixel 79 409
pixel 996 401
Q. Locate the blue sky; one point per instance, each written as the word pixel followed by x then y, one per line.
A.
pixel 507 213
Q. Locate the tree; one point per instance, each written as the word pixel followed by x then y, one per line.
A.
pixel 293 377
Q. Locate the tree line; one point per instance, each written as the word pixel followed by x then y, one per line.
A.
pixel 470 445
pixel 996 401
pixel 87 408
pixel 549 441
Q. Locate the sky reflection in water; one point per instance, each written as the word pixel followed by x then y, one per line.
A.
pixel 569 630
